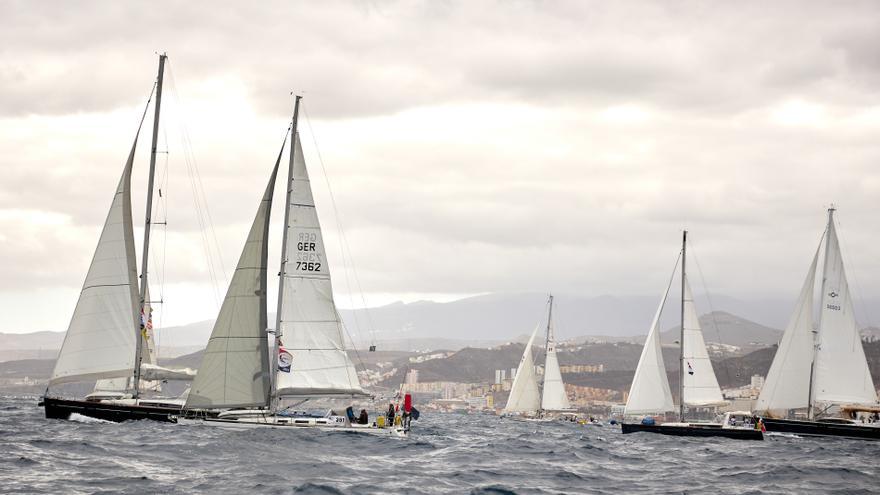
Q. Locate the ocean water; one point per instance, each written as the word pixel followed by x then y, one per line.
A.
pixel 446 453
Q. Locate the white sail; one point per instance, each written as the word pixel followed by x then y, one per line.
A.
pixel 102 335
pixel 312 358
pixel 235 367
pixel 788 382
pixel 524 395
pixel 122 386
pixel 841 373
pixel 650 392
pixel 700 384
pixel 553 396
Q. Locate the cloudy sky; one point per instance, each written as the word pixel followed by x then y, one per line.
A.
pixel 471 147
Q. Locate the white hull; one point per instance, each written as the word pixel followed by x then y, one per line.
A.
pixel 324 424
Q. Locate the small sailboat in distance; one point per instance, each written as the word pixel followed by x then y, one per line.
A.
pixel 525 400
pixel 110 338
pixel 698 386
pixel 819 370
pixel 238 385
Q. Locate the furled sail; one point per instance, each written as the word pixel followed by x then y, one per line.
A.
pixel 524 395
pixel 312 356
pixel 700 384
pixel 788 381
pixel 103 331
pixel 650 392
pixel 235 367
pixel 553 397
pixel 841 370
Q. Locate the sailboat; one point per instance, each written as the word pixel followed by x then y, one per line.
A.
pixel 822 369
pixel 525 400
pixel 698 386
pixel 110 337
pixel 238 385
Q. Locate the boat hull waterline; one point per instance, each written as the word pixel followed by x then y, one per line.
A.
pixel 822 429
pixel 694 431
pixel 290 423
pixel 63 408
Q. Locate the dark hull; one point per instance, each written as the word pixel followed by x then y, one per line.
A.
pixel 63 408
pixel 693 431
pixel 818 428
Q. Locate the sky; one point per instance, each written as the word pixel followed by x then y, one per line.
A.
pixel 470 147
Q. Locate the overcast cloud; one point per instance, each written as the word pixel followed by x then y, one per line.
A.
pixel 471 147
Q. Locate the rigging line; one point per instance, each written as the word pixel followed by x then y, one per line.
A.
pixel 855 279
pixel 723 360
pixel 200 199
pixel 342 235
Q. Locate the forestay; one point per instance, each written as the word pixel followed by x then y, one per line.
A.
pixel 312 357
pixel 524 394
pixel 788 381
pixel 554 397
pixel 101 338
pixel 650 392
pixel 235 367
pixel 700 384
pixel 841 370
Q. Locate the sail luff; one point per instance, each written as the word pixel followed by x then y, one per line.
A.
pixel 788 382
pixel 101 338
pixel 700 385
pixel 553 396
pixel 650 391
pixel 841 369
pixel 312 355
pixel 276 341
pixel 524 394
pixel 235 366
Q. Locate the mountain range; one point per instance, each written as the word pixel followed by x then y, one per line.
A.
pixel 485 321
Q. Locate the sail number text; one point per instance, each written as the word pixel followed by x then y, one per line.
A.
pixel 307 257
pixel 833 307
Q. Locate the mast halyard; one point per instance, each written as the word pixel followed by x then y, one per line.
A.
pixel 272 400
pixel 681 337
pixel 141 328
pixel 549 320
pixel 810 391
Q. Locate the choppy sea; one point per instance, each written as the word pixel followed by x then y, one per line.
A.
pixel 446 453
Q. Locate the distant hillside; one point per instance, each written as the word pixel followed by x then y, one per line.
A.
pixel 725 328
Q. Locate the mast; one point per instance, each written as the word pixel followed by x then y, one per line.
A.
pixel 549 319
pixel 810 408
pixel 272 400
pixel 681 337
pixel 139 351
pixel 546 348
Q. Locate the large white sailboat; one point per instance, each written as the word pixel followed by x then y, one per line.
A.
pixel 110 338
pixel 525 399
pixel 238 385
pixel 821 370
pixel 698 386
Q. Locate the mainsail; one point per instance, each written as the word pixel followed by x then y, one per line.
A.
pixel 841 373
pixel 553 396
pixel 312 356
pixel 788 382
pixel 102 336
pixel 235 367
pixel 650 392
pixel 524 395
pixel 700 386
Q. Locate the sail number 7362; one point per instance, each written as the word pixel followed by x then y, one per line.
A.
pixel 308 259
